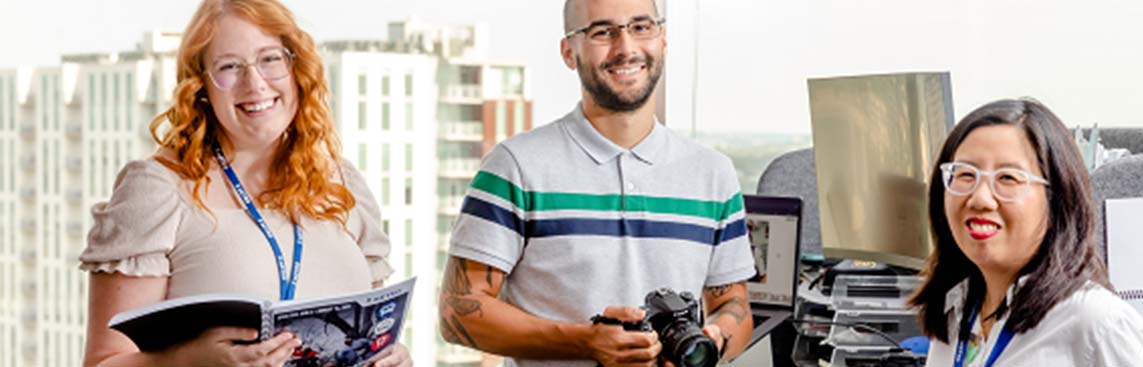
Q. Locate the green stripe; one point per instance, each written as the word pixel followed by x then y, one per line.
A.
pixel 545 201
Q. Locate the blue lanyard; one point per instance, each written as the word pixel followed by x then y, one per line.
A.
pixel 285 288
pixel 1002 341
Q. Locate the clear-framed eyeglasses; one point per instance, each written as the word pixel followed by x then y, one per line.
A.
pixel 1007 184
pixel 603 33
pixel 271 63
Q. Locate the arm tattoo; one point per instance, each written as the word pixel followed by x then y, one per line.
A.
pixel 464 306
pixel 449 334
pixel 735 307
pixel 456 278
pixel 719 291
pixel 468 341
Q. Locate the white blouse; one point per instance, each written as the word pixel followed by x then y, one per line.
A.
pixel 1092 327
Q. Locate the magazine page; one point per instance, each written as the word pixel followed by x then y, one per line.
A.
pixel 160 325
pixel 351 330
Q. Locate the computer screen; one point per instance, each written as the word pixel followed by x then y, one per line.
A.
pixel 772 225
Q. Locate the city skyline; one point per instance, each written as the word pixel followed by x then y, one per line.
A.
pixel 754 56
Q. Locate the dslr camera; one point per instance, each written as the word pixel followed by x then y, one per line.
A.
pixel 678 319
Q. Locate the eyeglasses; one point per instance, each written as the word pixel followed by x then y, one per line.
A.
pixel 272 64
pixel 602 33
pixel 1008 184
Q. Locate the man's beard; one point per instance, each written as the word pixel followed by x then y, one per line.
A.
pixel 607 97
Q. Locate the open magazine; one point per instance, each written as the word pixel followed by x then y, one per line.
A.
pixel 344 330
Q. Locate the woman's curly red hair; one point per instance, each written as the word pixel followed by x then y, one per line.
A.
pixel 300 181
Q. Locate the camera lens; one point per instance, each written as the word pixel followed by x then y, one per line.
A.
pixel 700 354
pixel 689 347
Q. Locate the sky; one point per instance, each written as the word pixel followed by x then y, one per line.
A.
pixel 1082 59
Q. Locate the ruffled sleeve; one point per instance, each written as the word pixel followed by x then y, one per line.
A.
pixel 365 225
pixel 135 230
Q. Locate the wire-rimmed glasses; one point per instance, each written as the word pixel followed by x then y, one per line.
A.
pixel 271 63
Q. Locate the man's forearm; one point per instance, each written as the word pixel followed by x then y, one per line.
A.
pixel 493 326
pixel 733 319
pixel 472 316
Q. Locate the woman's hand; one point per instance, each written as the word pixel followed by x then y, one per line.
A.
pixel 223 347
pixel 398 358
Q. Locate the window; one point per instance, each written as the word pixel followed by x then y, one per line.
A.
pixel 385 158
pixel 130 101
pixel 408 85
pixel 409 191
pixel 385 116
pixel 115 100
pixel 103 100
pixel 408 157
pixel 385 226
pixel 409 232
pixel 384 85
pixel 385 192
pixel 501 120
pixel 361 116
pixel 361 152
pixel 409 116
pixel 90 101
pixel 362 87
pixel 518 117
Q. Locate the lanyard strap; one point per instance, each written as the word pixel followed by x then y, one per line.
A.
pixel 1002 341
pixel 285 287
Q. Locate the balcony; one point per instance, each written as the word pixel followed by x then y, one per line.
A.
pixel 28 256
pixel 74 165
pixel 28 225
pixel 73 131
pixel 28 194
pixel 459 167
pixel 463 93
pixel 28 131
pixel 28 162
pixel 29 289
pixel 75 229
pixel 74 196
pixel 461 131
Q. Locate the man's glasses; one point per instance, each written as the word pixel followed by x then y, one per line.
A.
pixel 603 34
pixel 1008 184
pixel 272 64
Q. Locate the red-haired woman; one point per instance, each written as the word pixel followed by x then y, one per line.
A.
pixel 249 111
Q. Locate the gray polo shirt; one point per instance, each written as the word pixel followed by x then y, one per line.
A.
pixel 579 223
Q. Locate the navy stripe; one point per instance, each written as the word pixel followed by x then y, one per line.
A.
pixel 637 228
pixel 620 228
pixel 493 213
pixel 733 230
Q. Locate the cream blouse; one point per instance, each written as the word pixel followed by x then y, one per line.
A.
pixel 151 227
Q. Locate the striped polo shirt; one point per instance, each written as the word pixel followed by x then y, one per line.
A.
pixel 579 223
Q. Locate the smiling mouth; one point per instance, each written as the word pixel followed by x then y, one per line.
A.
pixel 629 70
pixel 259 106
pixel 981 229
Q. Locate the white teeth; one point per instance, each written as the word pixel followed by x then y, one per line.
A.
pixel 975 227
pixel 255 107
pixel 628 71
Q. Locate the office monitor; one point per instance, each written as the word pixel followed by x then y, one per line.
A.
pixel 875 140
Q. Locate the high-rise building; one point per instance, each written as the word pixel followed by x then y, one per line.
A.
pixel 64 133
pixel 415 113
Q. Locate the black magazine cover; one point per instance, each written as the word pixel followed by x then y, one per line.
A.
pixel 338 331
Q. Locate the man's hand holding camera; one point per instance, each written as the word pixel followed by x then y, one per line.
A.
pixel 612 345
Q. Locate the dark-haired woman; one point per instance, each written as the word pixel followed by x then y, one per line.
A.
pixel 1015 279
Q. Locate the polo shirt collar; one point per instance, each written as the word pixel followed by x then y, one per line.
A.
pixel 602 150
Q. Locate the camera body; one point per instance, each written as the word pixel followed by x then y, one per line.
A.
pixel 677 318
